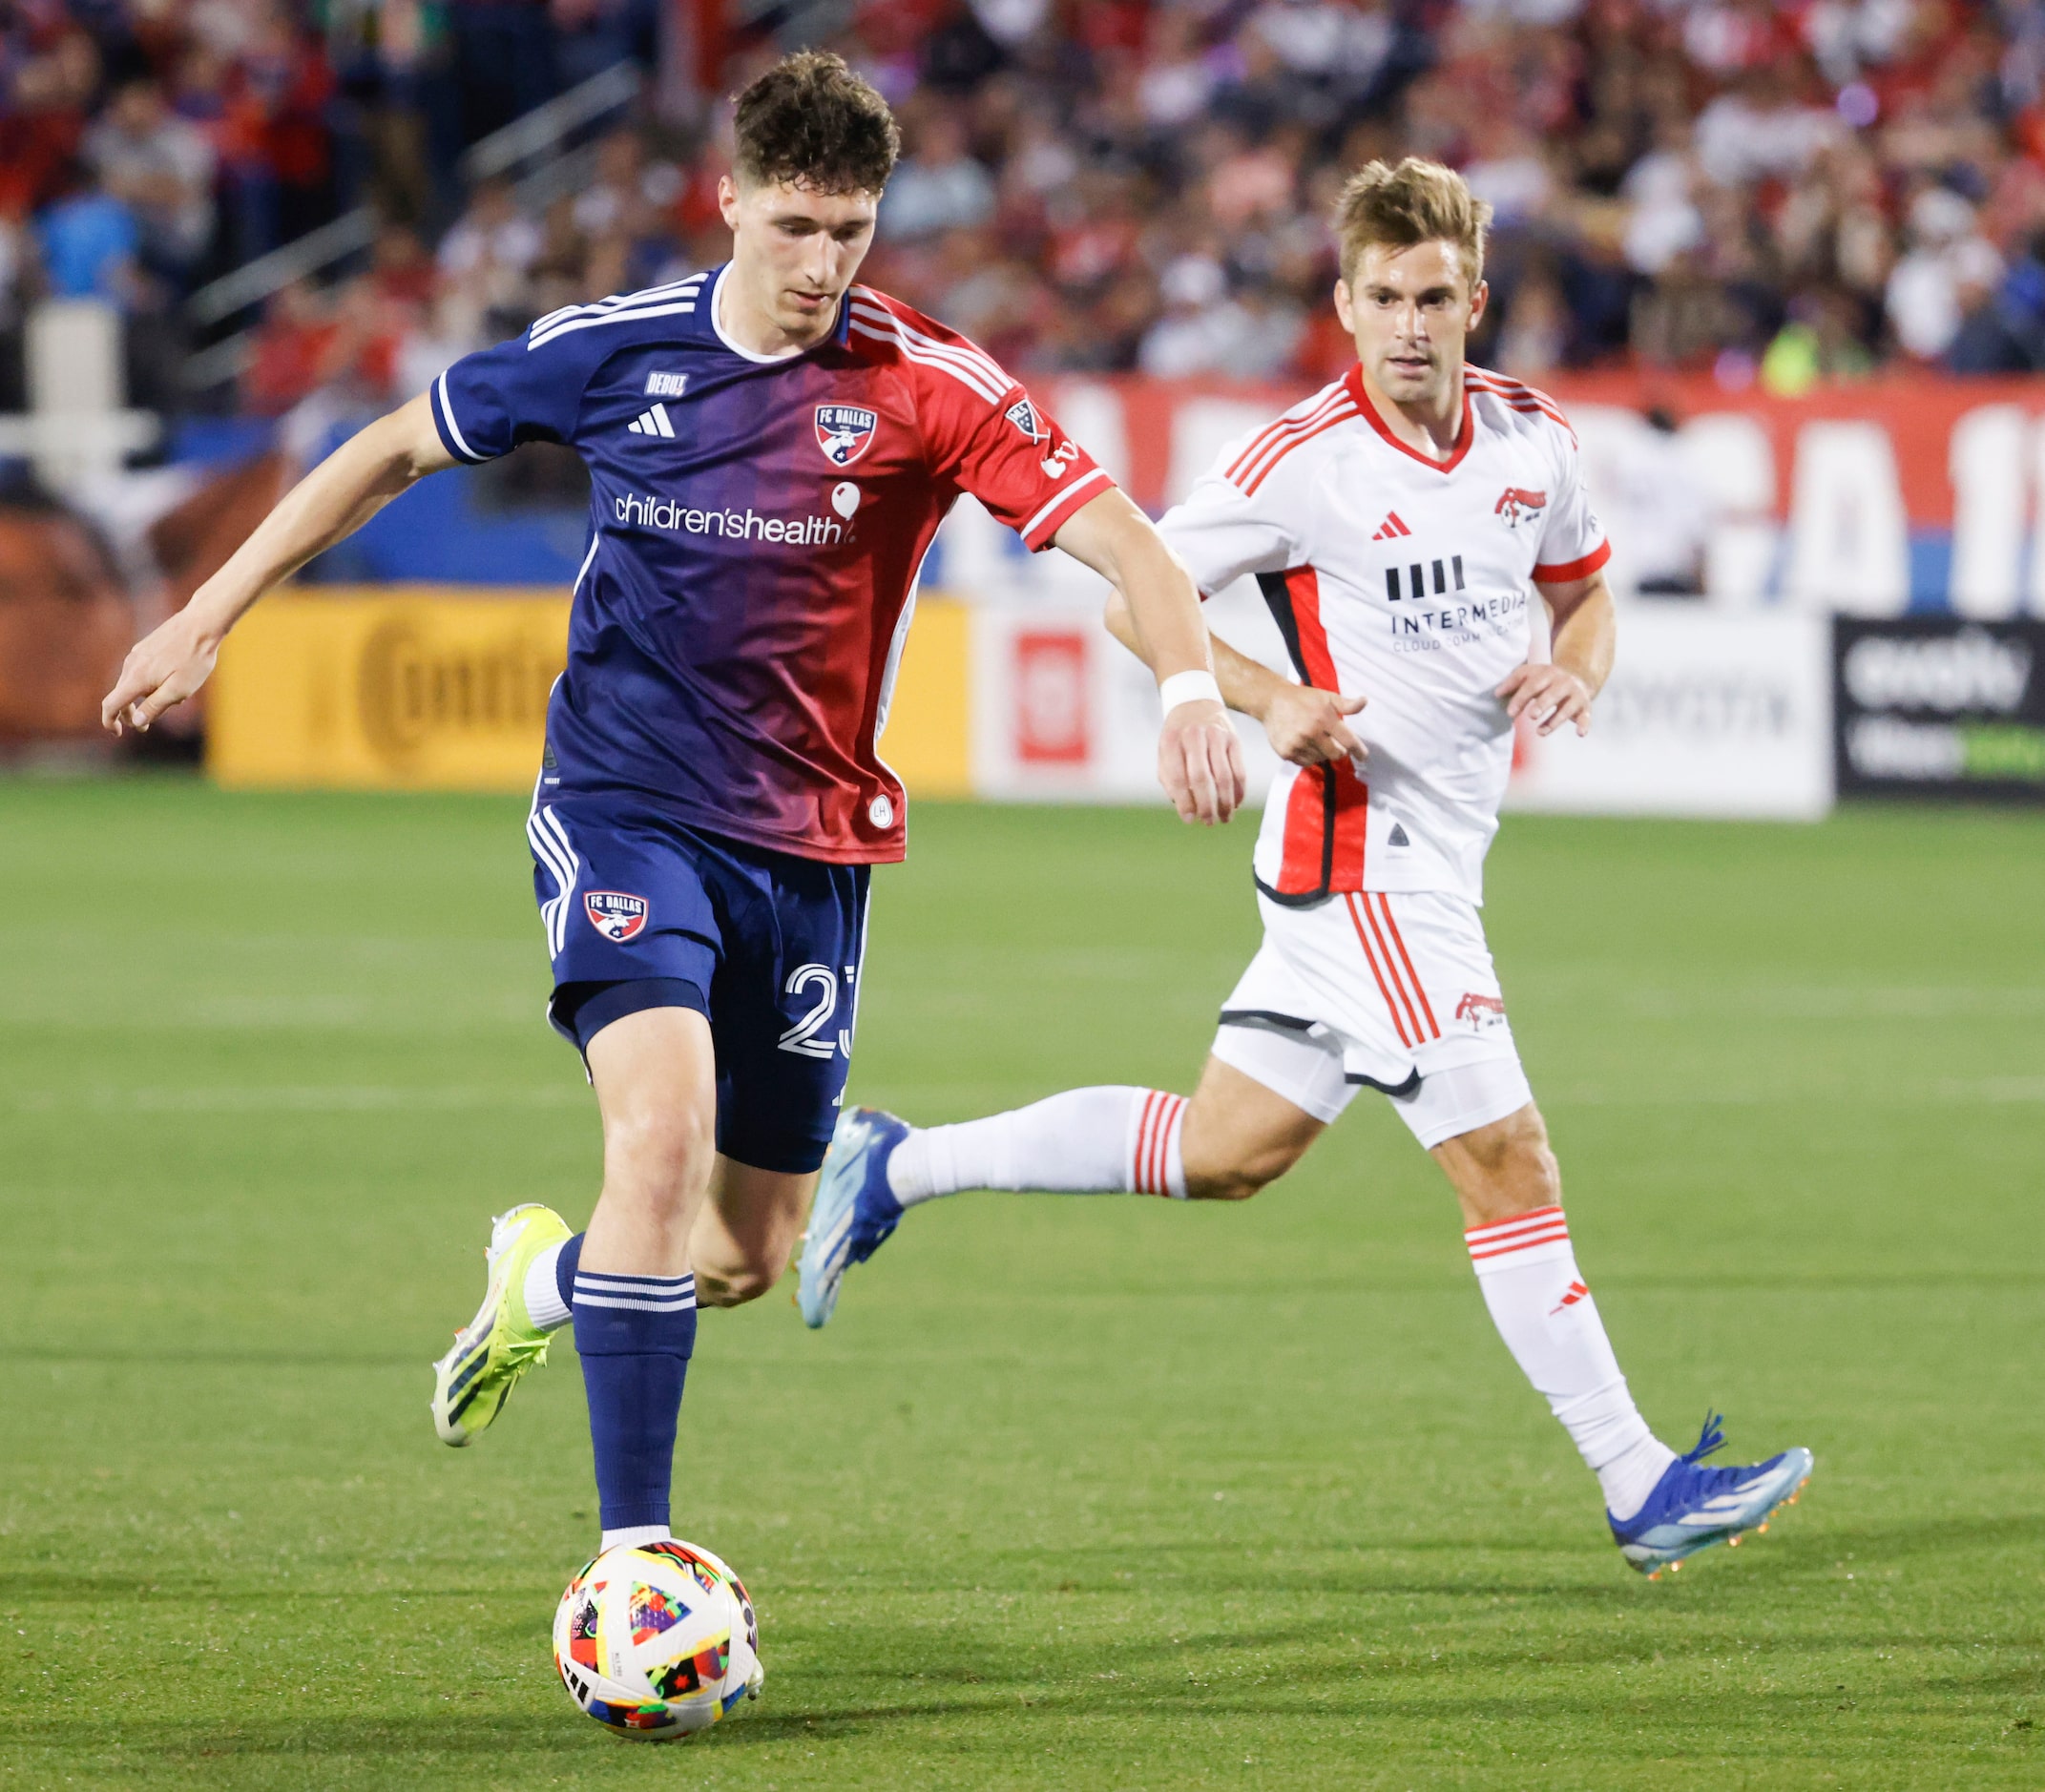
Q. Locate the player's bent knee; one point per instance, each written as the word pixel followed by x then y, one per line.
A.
pixel 734 1284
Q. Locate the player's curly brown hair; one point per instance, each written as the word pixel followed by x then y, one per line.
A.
pixel 811 122
pixel 1417 202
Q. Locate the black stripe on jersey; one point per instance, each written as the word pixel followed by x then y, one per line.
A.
pixel 1391 584
pixel 1277 599
pixel 1457 564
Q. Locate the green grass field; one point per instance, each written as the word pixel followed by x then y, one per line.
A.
pixel 1085 1493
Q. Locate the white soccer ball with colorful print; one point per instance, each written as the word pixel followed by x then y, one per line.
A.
pixel 657 1641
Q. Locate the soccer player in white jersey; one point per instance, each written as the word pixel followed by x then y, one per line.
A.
pixel 1396 522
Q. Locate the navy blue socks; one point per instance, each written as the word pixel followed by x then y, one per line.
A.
pixel 634 1335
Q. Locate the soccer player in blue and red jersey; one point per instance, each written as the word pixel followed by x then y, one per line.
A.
pixel 770 450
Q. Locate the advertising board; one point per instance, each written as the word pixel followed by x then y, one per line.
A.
pixel 1931 706
pixel 445 688
pixel 386 688
pixel 1704 714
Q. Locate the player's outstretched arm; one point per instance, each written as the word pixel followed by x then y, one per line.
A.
pixel 1304 724
pixel 1200 761
pixel 331 503
pixel 1585 631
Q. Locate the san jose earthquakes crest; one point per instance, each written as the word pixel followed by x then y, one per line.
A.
pixel 613 914
pixel 843 432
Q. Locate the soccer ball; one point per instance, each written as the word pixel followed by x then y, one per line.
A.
pixel 657 1641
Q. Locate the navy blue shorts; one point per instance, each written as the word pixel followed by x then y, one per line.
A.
pixel 644 912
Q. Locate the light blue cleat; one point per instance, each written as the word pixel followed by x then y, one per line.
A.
pixel 1693 1507
pixel 855 1210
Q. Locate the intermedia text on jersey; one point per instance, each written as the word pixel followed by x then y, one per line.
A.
pixel 637 511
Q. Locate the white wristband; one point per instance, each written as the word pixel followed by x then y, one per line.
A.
pixel 1188 687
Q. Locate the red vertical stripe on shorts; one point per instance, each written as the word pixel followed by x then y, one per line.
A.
pixel 1398 940
pixel 1392 969
pixel 1371 957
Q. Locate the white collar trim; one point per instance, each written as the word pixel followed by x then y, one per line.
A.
pixel 717 322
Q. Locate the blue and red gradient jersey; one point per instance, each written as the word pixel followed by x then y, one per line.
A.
pixel 756 527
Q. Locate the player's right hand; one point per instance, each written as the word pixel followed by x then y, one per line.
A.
pixel 161 670
pixel 1309 727
pixel 1200 763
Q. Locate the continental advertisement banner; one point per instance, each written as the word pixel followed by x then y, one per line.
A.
pixel 397 687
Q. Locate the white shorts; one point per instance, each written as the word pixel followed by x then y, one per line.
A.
pixel 1393 991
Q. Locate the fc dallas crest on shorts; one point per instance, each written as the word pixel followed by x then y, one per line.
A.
pixel 844 433
pixel 617 916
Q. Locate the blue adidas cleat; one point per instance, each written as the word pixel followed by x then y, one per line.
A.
pixel 855 1210
pixel 1693 1507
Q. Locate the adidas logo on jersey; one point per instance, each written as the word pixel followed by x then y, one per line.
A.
pixel 653 422
pixel 1392 527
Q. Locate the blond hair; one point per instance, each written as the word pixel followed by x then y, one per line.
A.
pixel 1418 201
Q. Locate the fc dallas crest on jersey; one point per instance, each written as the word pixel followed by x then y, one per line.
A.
pixel 613 914
pixel 843 432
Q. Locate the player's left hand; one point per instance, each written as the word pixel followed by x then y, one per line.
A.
pixel 1200 763
pixel 1548 696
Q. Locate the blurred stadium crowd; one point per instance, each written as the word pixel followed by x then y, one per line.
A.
pixel 1776 193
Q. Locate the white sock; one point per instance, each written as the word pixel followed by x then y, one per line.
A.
pixel 543 1305
pixel 1548 1321
pixel 633 1535
pixel 1107 1140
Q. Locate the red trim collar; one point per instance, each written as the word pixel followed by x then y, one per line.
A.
pixel 1354 381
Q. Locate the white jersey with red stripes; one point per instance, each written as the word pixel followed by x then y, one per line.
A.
pixel 1404 580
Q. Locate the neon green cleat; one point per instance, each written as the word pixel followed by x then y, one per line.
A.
pixel 474 1380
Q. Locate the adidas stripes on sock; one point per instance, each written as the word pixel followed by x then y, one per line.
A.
pixel 1544 1312
pixel 634 1335
pixel 1113 1139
